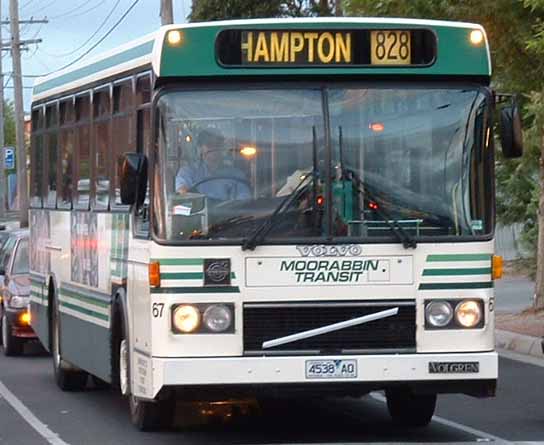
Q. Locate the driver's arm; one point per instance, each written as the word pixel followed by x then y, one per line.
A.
pixel 182 181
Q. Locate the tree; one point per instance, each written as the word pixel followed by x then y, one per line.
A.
pixel 203 10
pixel 233 9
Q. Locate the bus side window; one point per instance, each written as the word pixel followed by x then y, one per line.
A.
pixel 51 152
pixel 102 148
pixel 122 141
pixel 36 159
pixel 66 155
pixel 143 90
pixel 83 164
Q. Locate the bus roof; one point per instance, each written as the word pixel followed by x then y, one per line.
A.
pixel 197 55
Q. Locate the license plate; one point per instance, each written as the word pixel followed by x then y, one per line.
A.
pixel 389 47
pixel 331 369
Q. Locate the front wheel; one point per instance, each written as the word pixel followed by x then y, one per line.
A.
pixel 408 409
pixel 12 345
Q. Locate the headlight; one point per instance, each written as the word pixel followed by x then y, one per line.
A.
pixel 18 302
pixel 186 318
pixel 217 318
pixel 438 313
pixel 468 313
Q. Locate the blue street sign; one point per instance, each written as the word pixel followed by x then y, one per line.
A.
pixel 9 158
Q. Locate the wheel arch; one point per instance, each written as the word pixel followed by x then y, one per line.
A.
pixel 119 325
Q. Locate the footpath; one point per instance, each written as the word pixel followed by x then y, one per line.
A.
pixel 518 327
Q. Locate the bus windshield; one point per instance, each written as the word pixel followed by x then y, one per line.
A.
pixel 419 156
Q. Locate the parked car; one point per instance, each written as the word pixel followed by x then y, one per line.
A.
pixel 16 329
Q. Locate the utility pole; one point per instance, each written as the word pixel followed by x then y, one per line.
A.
pixel 22 193
pixel 3 182
pixel 167 12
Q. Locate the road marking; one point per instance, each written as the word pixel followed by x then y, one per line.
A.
pixel 451 423
pixel 529 359
pixel 32 420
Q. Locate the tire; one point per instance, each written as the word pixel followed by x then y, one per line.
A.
pixel 67 380
pixel 408 409
pixel 144 415
pixel 13 346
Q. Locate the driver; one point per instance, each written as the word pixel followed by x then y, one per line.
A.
pixel 210 174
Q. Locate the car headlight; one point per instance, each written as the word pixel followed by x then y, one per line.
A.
pixel 438 313
pixel 217 317
pixel 186 318
pixel 18 302
pixel 468 313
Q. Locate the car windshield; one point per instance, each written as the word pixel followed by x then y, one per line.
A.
pixel 227 159
pixel 20 262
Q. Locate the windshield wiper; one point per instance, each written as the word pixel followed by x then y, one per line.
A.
pixel 401 234
pixel 261 231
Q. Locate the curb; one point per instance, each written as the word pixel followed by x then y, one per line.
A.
pixel 521 344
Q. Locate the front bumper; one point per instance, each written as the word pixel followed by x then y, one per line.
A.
pixel 373 372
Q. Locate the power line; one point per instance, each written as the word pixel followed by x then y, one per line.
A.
pixel 68 13
pixel 104 37
pixel 92 35
pixel 46 6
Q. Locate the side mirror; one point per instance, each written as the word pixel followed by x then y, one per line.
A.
pixel 510 130
pixel 133 179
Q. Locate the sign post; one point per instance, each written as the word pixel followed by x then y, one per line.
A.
pixel 10 171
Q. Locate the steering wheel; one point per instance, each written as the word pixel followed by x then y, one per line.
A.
pixel 197 184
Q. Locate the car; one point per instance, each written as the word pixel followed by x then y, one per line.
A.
pixel 14 267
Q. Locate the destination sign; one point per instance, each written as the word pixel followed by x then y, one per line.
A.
pixel 298 48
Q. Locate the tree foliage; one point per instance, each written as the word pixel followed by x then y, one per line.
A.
pixel 243 9
pixel 9 123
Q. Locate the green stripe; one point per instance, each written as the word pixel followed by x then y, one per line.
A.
pixel 84 298
pixel 110 62
pixel 180 261
pixel 451 272
pixel 187 275
pixel 195 290
pixel 84 311
pixel 440 286
pixel 460 257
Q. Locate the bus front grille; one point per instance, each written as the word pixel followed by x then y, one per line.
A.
pixel 269 321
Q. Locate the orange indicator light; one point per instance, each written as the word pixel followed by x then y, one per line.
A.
pixel 24 318
pixel 155 274
pixel 497 267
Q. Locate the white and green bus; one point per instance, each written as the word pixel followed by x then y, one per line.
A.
pixel 271 208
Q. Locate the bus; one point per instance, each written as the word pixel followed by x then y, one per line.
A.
pixel 271 208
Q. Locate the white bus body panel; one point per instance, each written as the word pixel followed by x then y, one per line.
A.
pixel 180 359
